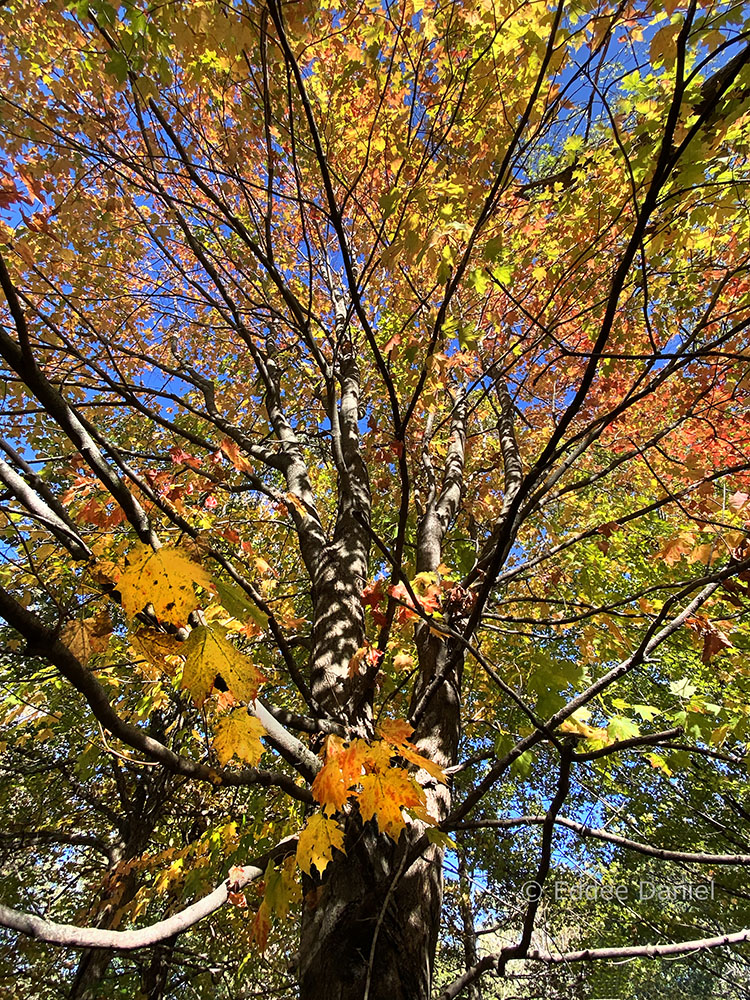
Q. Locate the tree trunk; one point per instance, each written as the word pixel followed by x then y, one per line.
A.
pixel 155 977
pixel 89 974
pixel 88 983
pixel 370 926
pixel 369 930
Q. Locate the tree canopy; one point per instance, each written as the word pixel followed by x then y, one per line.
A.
pixel 375 485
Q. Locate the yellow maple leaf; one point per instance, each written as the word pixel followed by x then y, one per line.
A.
pixel 675 548
pixel 384 794
pixel 238 735
pixel 261 927
pixel 356 662
pixel 282 888
pixel 579 728
pixel 165 579
pixel 232 451
pixel 209 653
pixel 402 661
pixel 396 731
pixel 87 638
pixel 317 842
pixel 364 770
pixel 297 503
pixel 155 652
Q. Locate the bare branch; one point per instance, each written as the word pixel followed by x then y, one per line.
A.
pixel 664 854
pixel 70 936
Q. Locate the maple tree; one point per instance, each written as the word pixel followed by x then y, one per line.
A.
pixel 375 486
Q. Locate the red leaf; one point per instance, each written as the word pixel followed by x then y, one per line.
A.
pixel 180 457
pixel 9 194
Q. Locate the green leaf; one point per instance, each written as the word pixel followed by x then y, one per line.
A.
pixel 117 66
pixel 647 712
pixel 468 338
pixel 621 728
pixel 440 838
pixel 493 248
pixel 479 281
pixel 388 202
pixel 502 273
pixel 238 605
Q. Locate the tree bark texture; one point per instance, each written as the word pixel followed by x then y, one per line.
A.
pixel 370 928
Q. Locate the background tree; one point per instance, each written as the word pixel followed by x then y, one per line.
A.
pixel 375 470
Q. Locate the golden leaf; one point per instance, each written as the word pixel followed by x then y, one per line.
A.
pixel 384 794
pixel 209 653
pixel 87 638
pixel 232 451
pixel 396 732
pixel 578 728
pixel 317 842
pixel 165 579
pixel 238 735
pixel 342 770
pixel 155 651
pixel 356 661
pixel 402 661
pixel 297 504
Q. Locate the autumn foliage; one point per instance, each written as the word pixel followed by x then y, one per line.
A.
pixel 375 495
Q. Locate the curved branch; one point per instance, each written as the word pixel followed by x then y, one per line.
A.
pixel 695 857
pixel 25 839
pixel 493 962
pixel 68 935
pixel 292 749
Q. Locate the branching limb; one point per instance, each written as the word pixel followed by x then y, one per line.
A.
pixel 24 839
pixel 70 936
pixel 23 363
pixel 658 632
pixel 294 751
pixel 689 857
pixel 491 963
pixel 548 830
pixel 59 527
pixel 442 508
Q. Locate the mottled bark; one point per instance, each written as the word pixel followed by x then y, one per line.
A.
pixel 370 929
pixel 339 625
pixel 339 574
